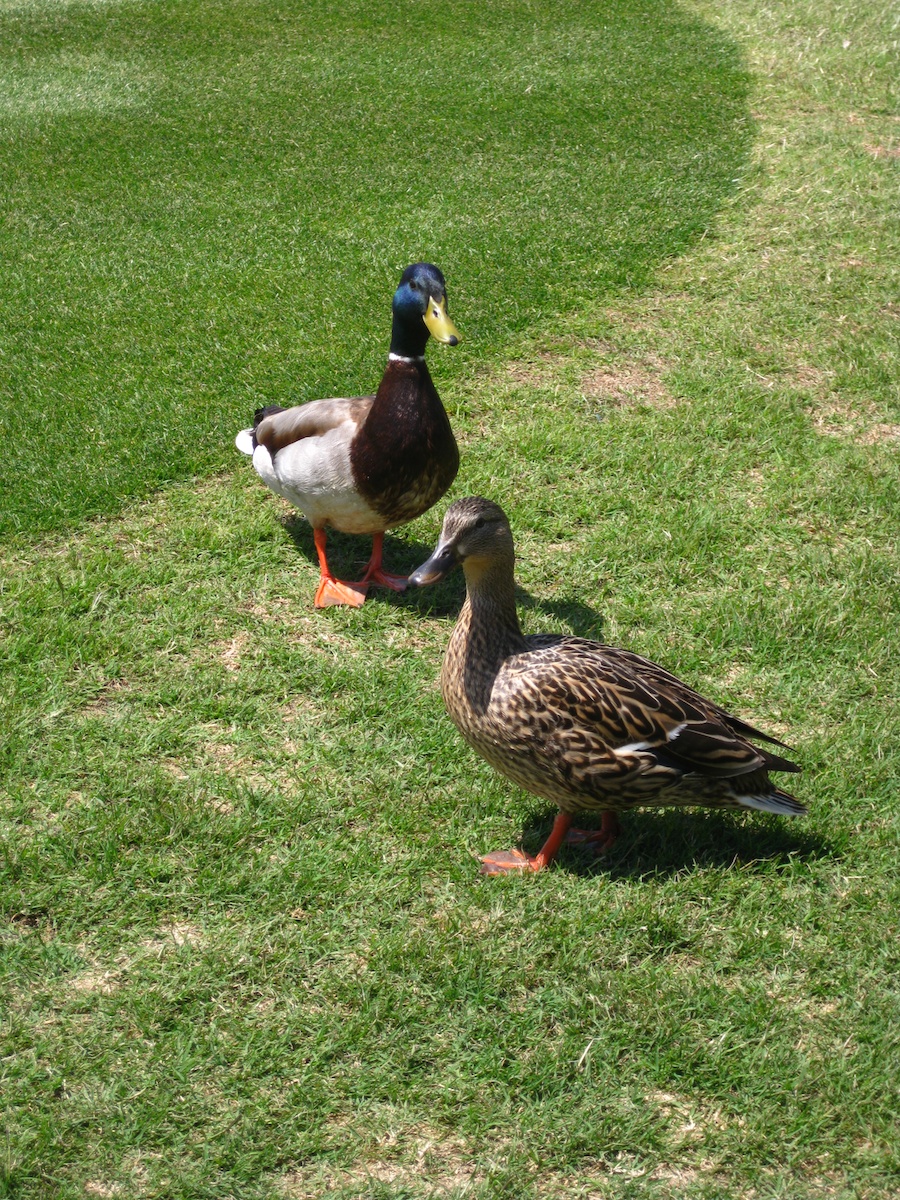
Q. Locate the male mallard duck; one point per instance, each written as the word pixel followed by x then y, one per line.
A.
pixel 369 463
pixel 588 726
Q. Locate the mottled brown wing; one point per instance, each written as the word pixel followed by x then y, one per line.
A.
pixel 715 743
pixel 666 679
pixel 281 429
pixel 616 701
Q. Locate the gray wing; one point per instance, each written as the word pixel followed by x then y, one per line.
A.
pixel 280 429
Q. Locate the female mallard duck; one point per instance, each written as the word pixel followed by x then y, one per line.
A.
pixel 588 726
pixel 369 463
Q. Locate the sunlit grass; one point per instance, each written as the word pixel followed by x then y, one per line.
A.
pixel 245 951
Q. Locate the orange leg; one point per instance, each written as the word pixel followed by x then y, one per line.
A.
pixel 330 590
pixel 374 572
pixel 600 839
pixel 502 861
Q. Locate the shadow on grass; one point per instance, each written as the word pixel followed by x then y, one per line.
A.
pixel 186 249
pixel 667 842
pixel 582 620
pixel 349 553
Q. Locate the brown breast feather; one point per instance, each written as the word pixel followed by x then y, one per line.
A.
pixel 405 456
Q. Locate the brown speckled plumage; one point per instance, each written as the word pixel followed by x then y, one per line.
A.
pixel 587 726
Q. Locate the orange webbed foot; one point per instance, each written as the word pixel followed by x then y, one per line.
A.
pixel 334 591
pixel 375 573
pixel 502 862
pixel 598 839
pixel 396 583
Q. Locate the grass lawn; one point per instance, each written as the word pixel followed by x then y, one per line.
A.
pixel 245 950
pixel 208 205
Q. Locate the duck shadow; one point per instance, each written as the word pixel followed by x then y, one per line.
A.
pixel 581 619
pixel 667 842
pixel 445 599
pixel 349 553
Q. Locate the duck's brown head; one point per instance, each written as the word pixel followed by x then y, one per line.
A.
pixel 476 534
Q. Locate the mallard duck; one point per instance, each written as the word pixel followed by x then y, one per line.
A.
pixel 367 464
pixel 590 727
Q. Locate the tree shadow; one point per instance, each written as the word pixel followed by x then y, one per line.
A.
pixel 615 133
pixel 666 842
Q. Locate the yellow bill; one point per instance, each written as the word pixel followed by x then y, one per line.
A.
pixel 439 324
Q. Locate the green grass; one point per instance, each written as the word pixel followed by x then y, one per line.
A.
pixel 245 951
pixel 209 205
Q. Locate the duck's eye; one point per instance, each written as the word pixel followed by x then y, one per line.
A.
pixel 479 524
pixel 413 285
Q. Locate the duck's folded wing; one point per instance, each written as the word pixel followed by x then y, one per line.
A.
pixel 625 715
pixel 314 419
pixel 704 735
pixel 665 679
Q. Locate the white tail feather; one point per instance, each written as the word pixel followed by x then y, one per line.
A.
pixel 244 441
pixel 777 802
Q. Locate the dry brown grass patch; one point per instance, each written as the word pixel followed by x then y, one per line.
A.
pixel 173 935
pixel 102 982
pixel 108 699
pixel 679 1177
pixel 689 1119
pixel 627 380
pixel 838 418
pixel 232 652
pixel 426 1163
pixel 881 431
pixel 175 769
pixel 809 379
pixel 218 757
pixel 881 151
pixel 630 384
pixel 532 372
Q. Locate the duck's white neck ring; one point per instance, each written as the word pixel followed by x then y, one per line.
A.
pixel 392 357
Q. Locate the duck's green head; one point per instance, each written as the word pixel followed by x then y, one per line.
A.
pixel 420 309
pixel 475 533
